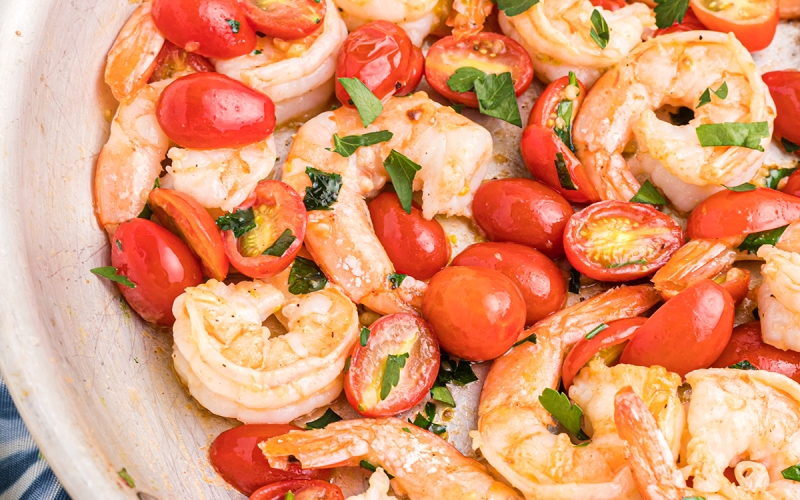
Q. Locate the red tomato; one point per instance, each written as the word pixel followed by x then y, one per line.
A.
pixel 609 4
pixel 523 211
pixel 690 23
pixel 382 56
pixel 211 28
pixel 277 208
pixel 236 456
pixel 185 217
pixel 476 313
pixel 746 345
pixel 211 111
pixel 729 213
pixel 173 61
pixel 416 246
pixel 302 490
pixel 488 52
pixel 784 86
pixel 538 279
pixel 620 241
pixel 687 333
pixel 736 282
pixel 159 264
pixel 395 334
pixel 285 19
pixel 792 185
pixel 753 22
pixel 608 344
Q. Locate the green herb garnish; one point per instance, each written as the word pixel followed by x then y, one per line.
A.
pixel 110 272
pixel 648 194
pixel 402 171
pixel 744 135
pixel 391 373
pixel 513 8
pixel 743 365
pixel 569 415
pixel 282 244
pixel 367 105
pixel 240 222
pixel 364 337
pixel 599 328
pixel 753 241
pixel 530 338
pixel 741 188
pixel 705 97
pixel 396 279
pixel 324 189
pixel 328 417
pixel 599 33
pixel 670 11
pixel 306 277
pixel 348 145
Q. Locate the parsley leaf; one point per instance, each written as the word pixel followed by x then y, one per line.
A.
pixel 328 417
pixel 426 421
pixel 721 92
pixel 569 415
pixel 463 80
pixel 347 363
pixel 406 429
pixel 240 222
pixel 565 111
pixel 789 146
pixel 368 106
pixel 775 176
pixel 670 11
pixel 366 465
pixel 458 108
pixel 457 372
pixel 791 473
pixel 599 33
pixel 289 496
pixel 741 188
pixel 599 328
pixel 282 244
pixel 563 174
pixel 234 24
pixel 391 373
pixel 110 272
pixel 628 263
pixel 364 337
pixel 443 394
pixel 648 194
pixel 574 281
pixel 515 7
pixel 530 338
pixel 496 97
pixel 126 477
pixel 743 365
pixel 348 145
pixel 396 279
pixel 402 171
pixel 753 241
pixel 324 190
pixel 305 277
pixel 745 135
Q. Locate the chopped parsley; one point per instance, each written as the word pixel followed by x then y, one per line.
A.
pixel 391 373
pixel 328 417
pixel 741 188
pixel 324 189
pixel 628 263
pixel 463 80
pixel 444 395
pixel 364 337
pixel 513 8
pixel 599 328
pixel 396 279
pixel 705 97
pixel 234 24
pixel 126 477
pixel 670 11
pixel 563 173
pixel 240 222
pixel 110 272
pixel 743 365
pixel 566 413
pixel 775 176
pixel 366 465
pixel 306 277
pixel 426 421
pixel 530 338
pixel 348 145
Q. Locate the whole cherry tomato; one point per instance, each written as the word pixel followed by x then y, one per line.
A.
pixel 476 313
pixel 784 86
pixel 792 185
pixel 523 211
pixel 173 61
pixel 158 263
pixel 538 279
pixel 620 241
pixel 415 245
pixel 690 23
pixel 235 455
pixel 396 335
pixel 211 111
pixel 300 489
pixel 382 56
pixel 211 28
pixel 285 19
pixel 753 23
pixel 687 333
pixel 280 226
pixel 489 52
pixel 746 345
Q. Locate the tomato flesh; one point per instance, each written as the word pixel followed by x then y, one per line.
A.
pixel 736 282
pixel 285 19
pixel 620 241
pixel 160 265
pixel 784 86
pixel 301 489
pixel 173 61
pixel 746 345
pixel 792 186
pixel 753 22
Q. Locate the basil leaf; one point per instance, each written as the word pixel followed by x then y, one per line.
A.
pixel 753 241
pixel 564 110
pixel 324 190
pixel 721 92
pixel 391 373
pixel 328 417
pixel 463 80
pixel 240 222
pixel 599 33
pixel 775 176
pixel 648 194
pixel 402 171
pixel 741 188
pixel 530 338
pixel 396 279
pixel 234 24
pixel 443 394
pixel 791 473
pixel 574 281
pixel 629 263
pixel 110 272
pixel 421 422
pixel 368 106
pixel 744 135
pixel 569 415
pixel 496 97
pixel 458 108
pixel 563 174
pixel 789 146
pixel 669 11
pixel 438 429
pixel 282 244
pixel 126 477
pixel 364 338
pixel 457 372
pixel 599 328
pixel 305 277
pixel 515 7
pixel 430 411
pixel 348 145
pixel 743 365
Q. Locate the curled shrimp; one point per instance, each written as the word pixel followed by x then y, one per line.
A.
pixel 672 70
pixel 424 465
pixel 695 261
pixel 453 153
pixel 467 16
pixel 238 368
pixel 416 17
pixel 779 294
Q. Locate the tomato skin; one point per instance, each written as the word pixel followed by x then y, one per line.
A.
pixel 319 490
pixel 546 105
pixel 235 455
pixel 476 313
pixel 212 111
pixel 416 246
pixel 690 23
pixel 538 279
pixel 523 211
pixel 286 20
pixel 382 56
pixel 362 381
pixel 173 61
pixel 746 344
pixel 448 54
pixel 792 186
pixel 784 86
pixel 729 213
pixel 609 4
pixel 737 283
pixel 201 26
pixel 687 333
pixel 160 265
pixel 755 34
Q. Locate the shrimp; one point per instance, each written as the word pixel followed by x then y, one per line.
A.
pixel 672 70
pixel 695 261
pixel 557 35
pixel 237 368
pixel 789 9
pixel 779 294
pixel 467 16
pixel 416 17
pixel 424 465
pixel 379 485
pixel 513 427
pixel 453 153
pixel 297 75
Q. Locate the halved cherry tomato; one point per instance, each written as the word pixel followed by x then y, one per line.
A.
pixel 285 19
pixel 609 4
pixel 729 213
pixel 415 245
pixel 523 211
pixel 620 241
pixel 746 345
pixel 608 344
pixel 737 283
pixel 277 208
pixel 476 313
pixel 488 52
pixel 792 186
pixel 538 279
pixel 211 111
pixel 211 28
pixel 173 61
pixel 784 86
pixel 235 455
pixel 301 489
pixel 382 56
pixel 158 263
pixel 185 217
pixel 395 334
pixel 687 333
pixel 690 23
pixel 754 22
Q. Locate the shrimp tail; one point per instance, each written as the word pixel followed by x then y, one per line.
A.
pixel 693 262
pixel 319 449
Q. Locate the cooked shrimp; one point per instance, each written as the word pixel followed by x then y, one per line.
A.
pixel 424 465
pixel 672 70
pixel 297 75
pixel 378 487
pixel 238 368
pixel 454 154
pixel 695 261
pixel 779 294
pixel 467 16
pixel 556 33
pixel 513 432
pixel 789 9
pixel 416 17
